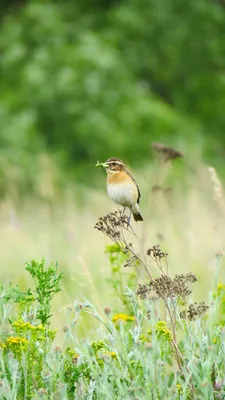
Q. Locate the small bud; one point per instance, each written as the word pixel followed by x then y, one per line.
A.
pixel 65 329
pixel 58 349
pixel 218 385
pixel 107 310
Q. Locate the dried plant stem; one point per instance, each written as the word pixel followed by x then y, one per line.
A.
pixel 217 188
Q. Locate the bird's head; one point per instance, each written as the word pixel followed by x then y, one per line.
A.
pixel 112 165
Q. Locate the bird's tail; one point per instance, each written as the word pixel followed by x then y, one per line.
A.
pixel 137 213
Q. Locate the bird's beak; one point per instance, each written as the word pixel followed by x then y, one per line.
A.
pixel 104 164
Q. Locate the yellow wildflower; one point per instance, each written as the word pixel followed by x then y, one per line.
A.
pixel 179 388
pixel 123 317
pixel 18 341
pixel 17 323
pixel 27 325
pixel 99 345
pixel 40 327
pixel 72 354
pixel 142 338
pixel 220 287
pixel 162 331
pixel 113 354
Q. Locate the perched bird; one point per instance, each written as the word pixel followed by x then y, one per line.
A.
pixel 122 187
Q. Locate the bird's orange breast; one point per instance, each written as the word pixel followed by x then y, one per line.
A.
pixel 114 178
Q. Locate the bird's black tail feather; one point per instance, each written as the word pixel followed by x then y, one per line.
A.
pixel 137 216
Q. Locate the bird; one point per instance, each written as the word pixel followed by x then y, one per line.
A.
pixel 122 188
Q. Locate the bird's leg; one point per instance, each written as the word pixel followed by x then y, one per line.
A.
pixel 128 221
pixel 123 213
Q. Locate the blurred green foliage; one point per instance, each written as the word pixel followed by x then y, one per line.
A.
pixel 85 80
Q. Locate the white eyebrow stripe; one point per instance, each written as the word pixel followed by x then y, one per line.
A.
pixel 115 162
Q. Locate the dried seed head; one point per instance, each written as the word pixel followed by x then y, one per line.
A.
pixel 142 291
pixel 167 153
pixel 194 310
pixel 166 287
pixel 156 253
pixel 112 223
pixel 158 188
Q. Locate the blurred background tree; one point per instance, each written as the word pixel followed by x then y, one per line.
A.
pixel 84 80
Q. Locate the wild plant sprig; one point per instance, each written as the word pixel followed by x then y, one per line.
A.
pixel 47 284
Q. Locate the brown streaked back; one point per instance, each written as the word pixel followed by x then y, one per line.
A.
pixel 139 193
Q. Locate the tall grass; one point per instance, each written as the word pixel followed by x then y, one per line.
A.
pixel 161 345
pixel 181 214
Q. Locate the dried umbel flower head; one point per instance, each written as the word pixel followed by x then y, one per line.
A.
pixel 156 253
pixel 166 287
pixel 194 310
pixel 112 223
pixel 158 256
pixel 142 291
pixel 167 153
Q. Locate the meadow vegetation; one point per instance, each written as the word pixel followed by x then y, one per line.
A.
pixel 161 345
pixel 147 323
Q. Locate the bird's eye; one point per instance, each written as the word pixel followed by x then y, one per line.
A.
pixel 114 164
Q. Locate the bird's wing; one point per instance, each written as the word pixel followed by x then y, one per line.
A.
pixel 139 193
